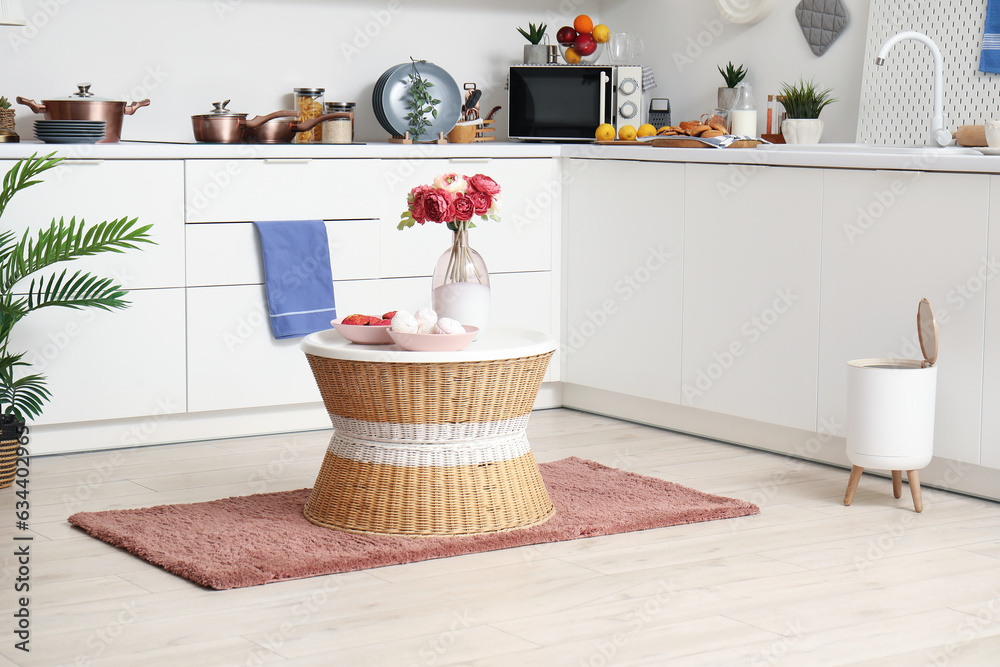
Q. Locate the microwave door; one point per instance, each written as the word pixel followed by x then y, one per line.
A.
pixel 562 103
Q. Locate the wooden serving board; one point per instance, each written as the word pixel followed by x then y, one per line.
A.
pixel 619 142
pixel 688 142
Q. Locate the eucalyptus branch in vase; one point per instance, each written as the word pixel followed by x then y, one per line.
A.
pixel 421 102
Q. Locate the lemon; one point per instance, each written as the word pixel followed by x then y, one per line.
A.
pixel 601 33
pixel 571 56
pixel 646 130
pixel 605 132
pixel 626 133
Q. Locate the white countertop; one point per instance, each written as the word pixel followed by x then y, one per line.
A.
pixel 843 156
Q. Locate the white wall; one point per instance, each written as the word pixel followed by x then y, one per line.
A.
pixel 685 42
pixel 186 54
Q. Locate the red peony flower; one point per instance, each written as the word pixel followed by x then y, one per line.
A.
pixel 464 208
pixel 438 205
pixel 418 205
pixel 480 202
pixel 484 184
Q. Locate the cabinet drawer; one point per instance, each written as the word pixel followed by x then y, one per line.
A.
pixel 246 190
pixel 99 190
pixel 229 253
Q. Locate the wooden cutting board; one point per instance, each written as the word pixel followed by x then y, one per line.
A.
pixel 619 142
pixel 687 142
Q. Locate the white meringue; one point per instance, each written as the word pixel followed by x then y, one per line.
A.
pixel 425 327
pixel 428 315
pixel 403 322
pixel 446 325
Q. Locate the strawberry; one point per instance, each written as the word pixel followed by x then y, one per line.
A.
pixel 388 316
pixel 385 322
pixel 372 320
pixel 355 319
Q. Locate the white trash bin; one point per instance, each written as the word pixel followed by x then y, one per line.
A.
pixel 890 412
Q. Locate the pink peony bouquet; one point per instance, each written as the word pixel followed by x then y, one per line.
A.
pixel 454 200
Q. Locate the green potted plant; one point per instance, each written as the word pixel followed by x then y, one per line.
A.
pixel 535 53
pixel 23 394
pixel 732 75
pixel 803 103
pixel 6 115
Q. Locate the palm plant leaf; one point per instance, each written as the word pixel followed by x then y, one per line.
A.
pixel 25 396
pixel 81 290
pixel 22 175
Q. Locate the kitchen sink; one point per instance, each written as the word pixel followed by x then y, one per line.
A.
pixel 870 149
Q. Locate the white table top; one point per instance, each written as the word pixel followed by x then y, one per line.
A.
pixel 494 343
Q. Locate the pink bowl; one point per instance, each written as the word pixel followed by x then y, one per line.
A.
pixel 434 342
pixel 363 334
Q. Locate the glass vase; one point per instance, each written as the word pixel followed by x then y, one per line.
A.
pixel 461 284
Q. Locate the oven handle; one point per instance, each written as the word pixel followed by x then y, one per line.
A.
pixel 604 88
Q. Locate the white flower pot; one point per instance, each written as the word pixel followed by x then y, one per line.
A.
pixel 802 130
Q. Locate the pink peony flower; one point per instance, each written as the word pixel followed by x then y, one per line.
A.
pixel 452 183
pixel 484 184
pixel 464 208
pixel 438 205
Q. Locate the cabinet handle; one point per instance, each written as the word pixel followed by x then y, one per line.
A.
pixel 469 160
pixel 278 160
pixel 81 162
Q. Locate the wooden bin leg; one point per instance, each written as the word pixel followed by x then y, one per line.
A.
pixel 913 477
pixel 897 483
pixel 852 484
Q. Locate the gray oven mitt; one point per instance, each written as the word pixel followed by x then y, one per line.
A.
pixel 822 22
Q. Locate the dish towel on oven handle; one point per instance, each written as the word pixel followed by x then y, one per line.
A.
pixel 989 60
pixel 297 276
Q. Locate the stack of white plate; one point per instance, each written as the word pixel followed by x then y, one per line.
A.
pixel 392 95
pixel 69 131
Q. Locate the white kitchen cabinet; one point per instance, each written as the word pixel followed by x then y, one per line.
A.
pixel 520 241
pixel 109 364
pixel 623 237
pixel 890 239
pixel 751 291
pixel 100 190
pixel 228 253
pixel 233 359
pixel 247 189
pixel 987 281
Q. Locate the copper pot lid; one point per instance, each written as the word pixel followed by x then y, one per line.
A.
pixel 219 109
pixel 927 331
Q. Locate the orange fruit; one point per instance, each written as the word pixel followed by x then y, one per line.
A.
pixel 646 130
pixel 571 56
pixel 601 33
pixel 626 133
pixel 583 24
pixel 605 132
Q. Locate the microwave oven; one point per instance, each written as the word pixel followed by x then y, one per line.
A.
pixel 568 102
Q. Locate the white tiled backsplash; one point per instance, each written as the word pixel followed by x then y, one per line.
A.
pixel 897 98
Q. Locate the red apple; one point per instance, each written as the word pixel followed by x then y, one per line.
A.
pixel 585 44
pixel 566 35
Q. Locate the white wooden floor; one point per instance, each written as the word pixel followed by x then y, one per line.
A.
pixel 806 582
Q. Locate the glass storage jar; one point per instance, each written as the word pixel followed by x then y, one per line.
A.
pixel 339 130
pixel 309 104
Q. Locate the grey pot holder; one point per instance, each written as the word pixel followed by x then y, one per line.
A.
pixel 822 22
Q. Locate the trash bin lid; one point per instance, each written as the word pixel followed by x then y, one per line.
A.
pixel 927 331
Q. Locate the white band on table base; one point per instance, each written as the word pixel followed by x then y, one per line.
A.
pixel 420 433
pixel 436 455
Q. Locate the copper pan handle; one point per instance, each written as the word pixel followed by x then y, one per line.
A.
pixel 307 125
pixel 37 108
pixel 131 107
pixel 260 120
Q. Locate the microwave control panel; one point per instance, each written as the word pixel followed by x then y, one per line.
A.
pixel 628 89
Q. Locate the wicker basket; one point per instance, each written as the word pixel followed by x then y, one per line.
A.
pixel 7 119
pixel 429 448
pixel 10 435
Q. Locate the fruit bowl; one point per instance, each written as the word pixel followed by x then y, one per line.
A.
pixel 364 334
pixel 583 60
pixel 434 342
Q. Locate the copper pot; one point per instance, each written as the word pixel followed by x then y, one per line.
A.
pixel 282 131
pixel 222 126
pixel 82 105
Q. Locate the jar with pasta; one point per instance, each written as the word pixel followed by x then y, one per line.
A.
pixel 309 104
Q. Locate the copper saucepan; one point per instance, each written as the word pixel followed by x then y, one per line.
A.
pixel 82 105
pixel 222 126
pixel 282 130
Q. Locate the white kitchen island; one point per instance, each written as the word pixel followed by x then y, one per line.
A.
pixel 716 292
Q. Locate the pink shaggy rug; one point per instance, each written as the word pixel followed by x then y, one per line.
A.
pixel 251 540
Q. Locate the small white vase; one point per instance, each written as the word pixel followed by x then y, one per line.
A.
pixel 802 130
pixel 536 54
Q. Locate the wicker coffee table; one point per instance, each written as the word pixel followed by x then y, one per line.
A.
pixel 429 443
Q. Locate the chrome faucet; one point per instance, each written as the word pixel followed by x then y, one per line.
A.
pixel 940 136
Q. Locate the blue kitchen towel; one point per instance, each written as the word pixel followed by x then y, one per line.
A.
pixel 297 276
pixel 989 61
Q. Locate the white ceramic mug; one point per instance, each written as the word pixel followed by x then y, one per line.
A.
pixel 993 133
